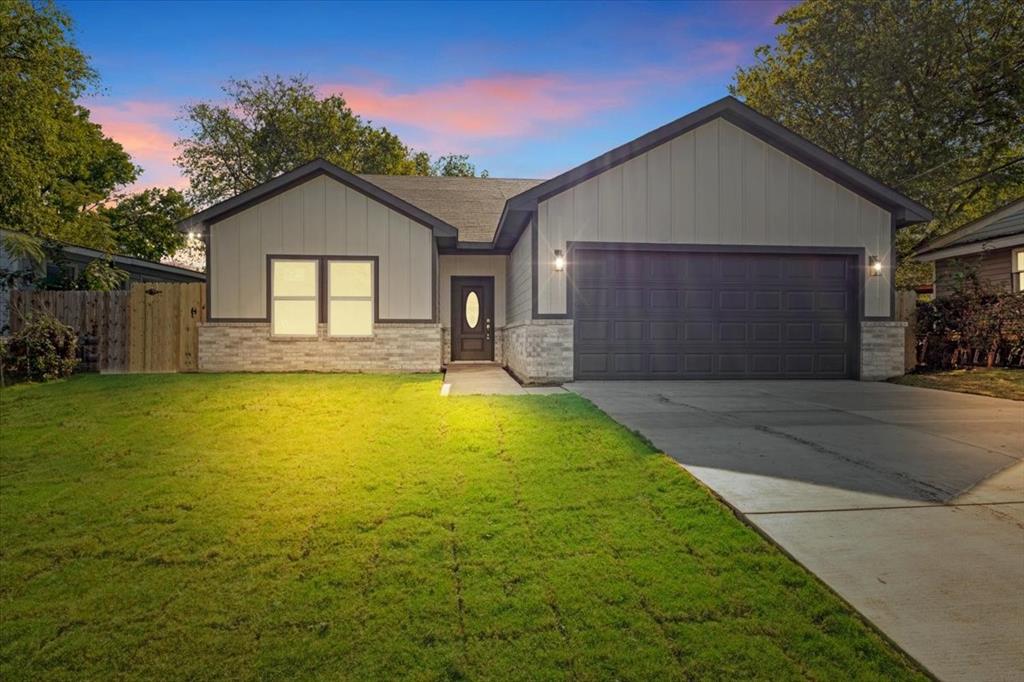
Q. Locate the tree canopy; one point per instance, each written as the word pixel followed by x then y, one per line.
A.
pixel 927 97
pixel 58 166
pixel 144 224
pixel 60 176
pixel 272 124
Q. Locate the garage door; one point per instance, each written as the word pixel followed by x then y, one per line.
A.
pixel 682 315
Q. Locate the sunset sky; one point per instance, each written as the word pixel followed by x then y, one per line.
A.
pixel 527 90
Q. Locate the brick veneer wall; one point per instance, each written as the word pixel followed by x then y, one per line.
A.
pixel 881 349
pixel 249 347
pixel 540 351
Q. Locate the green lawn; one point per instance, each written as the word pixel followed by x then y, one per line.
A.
pixel 998 383
pixel 362 527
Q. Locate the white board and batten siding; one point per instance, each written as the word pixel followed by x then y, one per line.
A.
pixel 320 217
pixel 716 184
pixel 519 275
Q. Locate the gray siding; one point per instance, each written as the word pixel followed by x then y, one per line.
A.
pixel 992 266
pixel 716 184
pixel 476 266
pixel 519 277
pixel 320 217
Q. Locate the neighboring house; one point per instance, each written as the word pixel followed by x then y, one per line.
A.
pixel 718 246
pixel 992 245
pixel 72 262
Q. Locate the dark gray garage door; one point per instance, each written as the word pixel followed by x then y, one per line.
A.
pixel 681 315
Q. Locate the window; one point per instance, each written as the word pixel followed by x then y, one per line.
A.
pixel 350 298
pixel 1017 270
pixel 294 301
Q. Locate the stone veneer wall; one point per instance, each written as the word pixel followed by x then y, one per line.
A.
pixel 540 351
pixel 446 345
pixel 249 347
pixel 881 349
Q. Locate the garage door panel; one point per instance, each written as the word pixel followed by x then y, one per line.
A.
pixel 593 330
pixel 665 330
pixel 699 299
pixel 732 300
pixel 732 332
pixel 661 300
pixel 630 330
pixel 766 300
pixel 746 315
pixel 699 331
pixel 733 269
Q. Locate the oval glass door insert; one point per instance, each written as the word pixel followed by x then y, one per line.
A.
pixel 472 310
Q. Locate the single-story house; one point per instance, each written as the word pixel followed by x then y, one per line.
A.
pixel 992 245
pixel 70 264
pixel 721 245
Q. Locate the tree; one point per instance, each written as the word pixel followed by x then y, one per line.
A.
pixel 455 165
pixel 927 97
pixel 144 224
pixel 271 125
pixel 58 167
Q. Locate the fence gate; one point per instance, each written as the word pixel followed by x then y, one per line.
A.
pixel 163 324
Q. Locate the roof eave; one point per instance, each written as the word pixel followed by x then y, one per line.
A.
pixel 970 248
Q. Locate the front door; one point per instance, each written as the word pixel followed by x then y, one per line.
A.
pixel 472 318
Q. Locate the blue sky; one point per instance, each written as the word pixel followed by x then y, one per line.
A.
pixel 527 89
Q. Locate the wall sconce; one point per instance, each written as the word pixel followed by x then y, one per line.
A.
pixel 559 260
pixel 874 266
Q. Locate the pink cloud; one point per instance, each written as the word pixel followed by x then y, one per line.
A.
pixel 499 106
pixel 463 115
pixel 146 131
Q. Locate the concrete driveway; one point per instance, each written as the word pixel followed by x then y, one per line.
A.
pixel 908 502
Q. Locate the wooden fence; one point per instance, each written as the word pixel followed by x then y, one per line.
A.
pixel 906 311
pixel 153 327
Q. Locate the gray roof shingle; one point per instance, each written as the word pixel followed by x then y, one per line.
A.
pixel 472 205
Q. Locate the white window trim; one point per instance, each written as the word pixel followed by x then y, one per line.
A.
pixel 370 298
pixel 315 297
pixel 1016 276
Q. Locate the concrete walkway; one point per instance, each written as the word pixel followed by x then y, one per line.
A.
pixel 487 378
pixel 908 502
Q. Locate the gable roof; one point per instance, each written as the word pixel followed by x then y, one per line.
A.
pixel 1002 227
pixel 306 172
pixel 472 205
pixel 905 210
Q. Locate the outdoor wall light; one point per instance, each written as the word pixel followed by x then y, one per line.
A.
pixel 874 266
pixel 559 260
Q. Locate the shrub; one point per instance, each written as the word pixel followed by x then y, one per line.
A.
pixel 975 324
pixel 41 350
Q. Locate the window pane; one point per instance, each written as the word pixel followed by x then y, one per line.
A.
pixel 472 310
pixel 351 318
pixel 351 278
pixel 1020 261
pixel 294 278
pixel 295 317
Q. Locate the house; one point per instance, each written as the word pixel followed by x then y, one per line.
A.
pixel 70 262
pixel 720 245
pixel 992 245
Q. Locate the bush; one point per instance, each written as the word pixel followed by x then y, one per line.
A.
pixel 976 324
pixel 43 349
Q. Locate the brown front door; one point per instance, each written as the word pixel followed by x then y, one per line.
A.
pixel 472 318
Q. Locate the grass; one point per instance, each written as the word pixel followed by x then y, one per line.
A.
pixel 362 527
pixel 996 382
